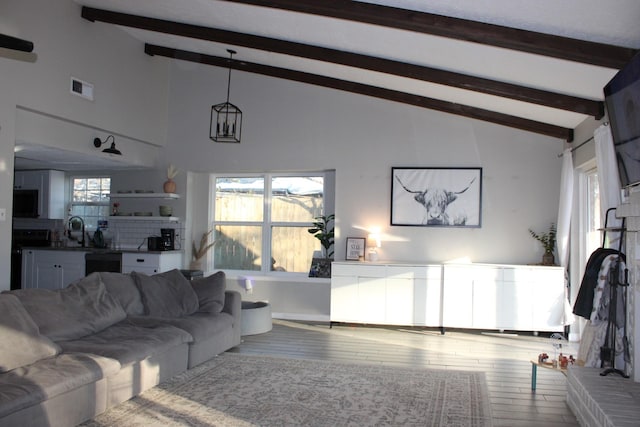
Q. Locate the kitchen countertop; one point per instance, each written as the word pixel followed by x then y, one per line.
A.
pixel 98 250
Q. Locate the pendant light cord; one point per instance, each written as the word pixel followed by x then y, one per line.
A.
pixel 231 52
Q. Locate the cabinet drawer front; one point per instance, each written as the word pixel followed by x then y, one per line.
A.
pixel 533 274
pixel 359 270
pixel 140 259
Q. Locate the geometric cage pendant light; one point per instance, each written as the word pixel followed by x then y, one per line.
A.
pixel 226 118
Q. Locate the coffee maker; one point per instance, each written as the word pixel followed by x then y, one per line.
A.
pixel 168 236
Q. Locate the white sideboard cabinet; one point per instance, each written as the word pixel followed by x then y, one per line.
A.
pixel 469 296
pixel 389 294
pixel 503 297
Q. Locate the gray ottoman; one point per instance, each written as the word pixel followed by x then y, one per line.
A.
pixel 256 317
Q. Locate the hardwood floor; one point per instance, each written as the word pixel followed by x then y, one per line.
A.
pixel 504 357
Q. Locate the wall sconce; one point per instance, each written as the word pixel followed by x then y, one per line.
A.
pixel 111 150
pixel 373 242
pixel 226 118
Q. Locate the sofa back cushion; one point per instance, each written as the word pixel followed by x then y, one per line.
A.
pixel 210 291
pixel 123 288
pixel 167 294
pixel 21 341
pixel 82 308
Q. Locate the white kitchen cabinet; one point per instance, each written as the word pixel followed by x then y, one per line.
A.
pixel 150 263
pixel 50 186
pixel 51 269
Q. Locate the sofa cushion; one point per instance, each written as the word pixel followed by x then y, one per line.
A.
pixel 128 343
pixel 21 341
pixel 82 308
pixel 210 291
pixel 201 326
pixel 31 384
pixel 167 294
pixel 123 288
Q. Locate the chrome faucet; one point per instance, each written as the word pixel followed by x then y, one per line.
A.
pixel 70 226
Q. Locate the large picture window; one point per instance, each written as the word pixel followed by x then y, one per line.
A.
pixel 261 221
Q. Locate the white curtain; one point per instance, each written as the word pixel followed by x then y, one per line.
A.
pixel 563 228
pixel 608 180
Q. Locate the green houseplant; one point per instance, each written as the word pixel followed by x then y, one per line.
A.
pixel 548 241
pixel 324 231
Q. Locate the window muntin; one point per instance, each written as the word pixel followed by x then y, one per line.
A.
pixel 281 207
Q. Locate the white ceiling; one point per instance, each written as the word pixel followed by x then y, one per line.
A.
pixel 610 22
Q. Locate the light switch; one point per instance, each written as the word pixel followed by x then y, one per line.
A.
pixel 3 214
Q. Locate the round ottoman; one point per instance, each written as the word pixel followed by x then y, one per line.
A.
pixel 256 317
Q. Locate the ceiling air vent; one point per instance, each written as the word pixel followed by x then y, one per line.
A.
pixel 82 89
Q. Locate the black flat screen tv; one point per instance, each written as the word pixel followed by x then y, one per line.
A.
pixel 622 98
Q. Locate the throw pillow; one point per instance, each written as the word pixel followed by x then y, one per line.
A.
pixel 22 343
pixel 210 291
pixel 82 308
pixel 167 294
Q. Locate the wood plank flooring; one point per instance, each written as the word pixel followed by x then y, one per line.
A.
pixel 504 357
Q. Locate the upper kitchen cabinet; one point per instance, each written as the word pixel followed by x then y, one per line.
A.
pixel 50 190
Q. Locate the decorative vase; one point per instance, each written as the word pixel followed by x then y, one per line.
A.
pixel 169 186
pixel 548 258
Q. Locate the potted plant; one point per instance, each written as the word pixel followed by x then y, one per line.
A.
pixel 324 231
pixel 548 241
pixel 170 185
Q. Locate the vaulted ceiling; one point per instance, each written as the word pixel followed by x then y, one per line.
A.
pixel 537 66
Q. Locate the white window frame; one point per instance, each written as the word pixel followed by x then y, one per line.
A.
pixel 266 223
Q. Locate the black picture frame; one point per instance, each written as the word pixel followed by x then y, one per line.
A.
pixel 436 197
pixel 355 248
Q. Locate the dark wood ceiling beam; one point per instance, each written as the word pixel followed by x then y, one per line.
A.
pixel 14 43
pixel 362 89
pixel 462 81
pixel 593 53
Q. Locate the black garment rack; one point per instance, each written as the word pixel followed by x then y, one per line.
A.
pixel 608 349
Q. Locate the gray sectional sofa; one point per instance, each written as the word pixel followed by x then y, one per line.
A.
pixel 70 354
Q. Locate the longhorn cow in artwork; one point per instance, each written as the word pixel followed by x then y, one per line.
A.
pixel 436 203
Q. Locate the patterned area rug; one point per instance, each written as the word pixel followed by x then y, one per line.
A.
pixel 240 390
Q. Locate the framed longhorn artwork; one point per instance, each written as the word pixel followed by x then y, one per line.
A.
pixel 436 197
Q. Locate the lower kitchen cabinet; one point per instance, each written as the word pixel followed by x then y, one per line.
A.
pixel 56 268
pixel 151 263
pixel 51 269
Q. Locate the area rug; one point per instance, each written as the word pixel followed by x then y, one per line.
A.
pixel 242 390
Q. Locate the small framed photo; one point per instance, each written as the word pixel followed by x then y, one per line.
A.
pixel 355 248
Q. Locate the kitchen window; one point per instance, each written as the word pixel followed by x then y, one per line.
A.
pixel 261 221
pixel 90 199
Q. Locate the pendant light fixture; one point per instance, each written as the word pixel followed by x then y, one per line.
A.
pixel 226 118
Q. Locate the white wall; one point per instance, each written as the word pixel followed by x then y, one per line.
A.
pixel 291 126
pixel 130 89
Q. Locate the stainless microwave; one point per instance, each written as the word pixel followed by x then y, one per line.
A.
pixel 25 203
